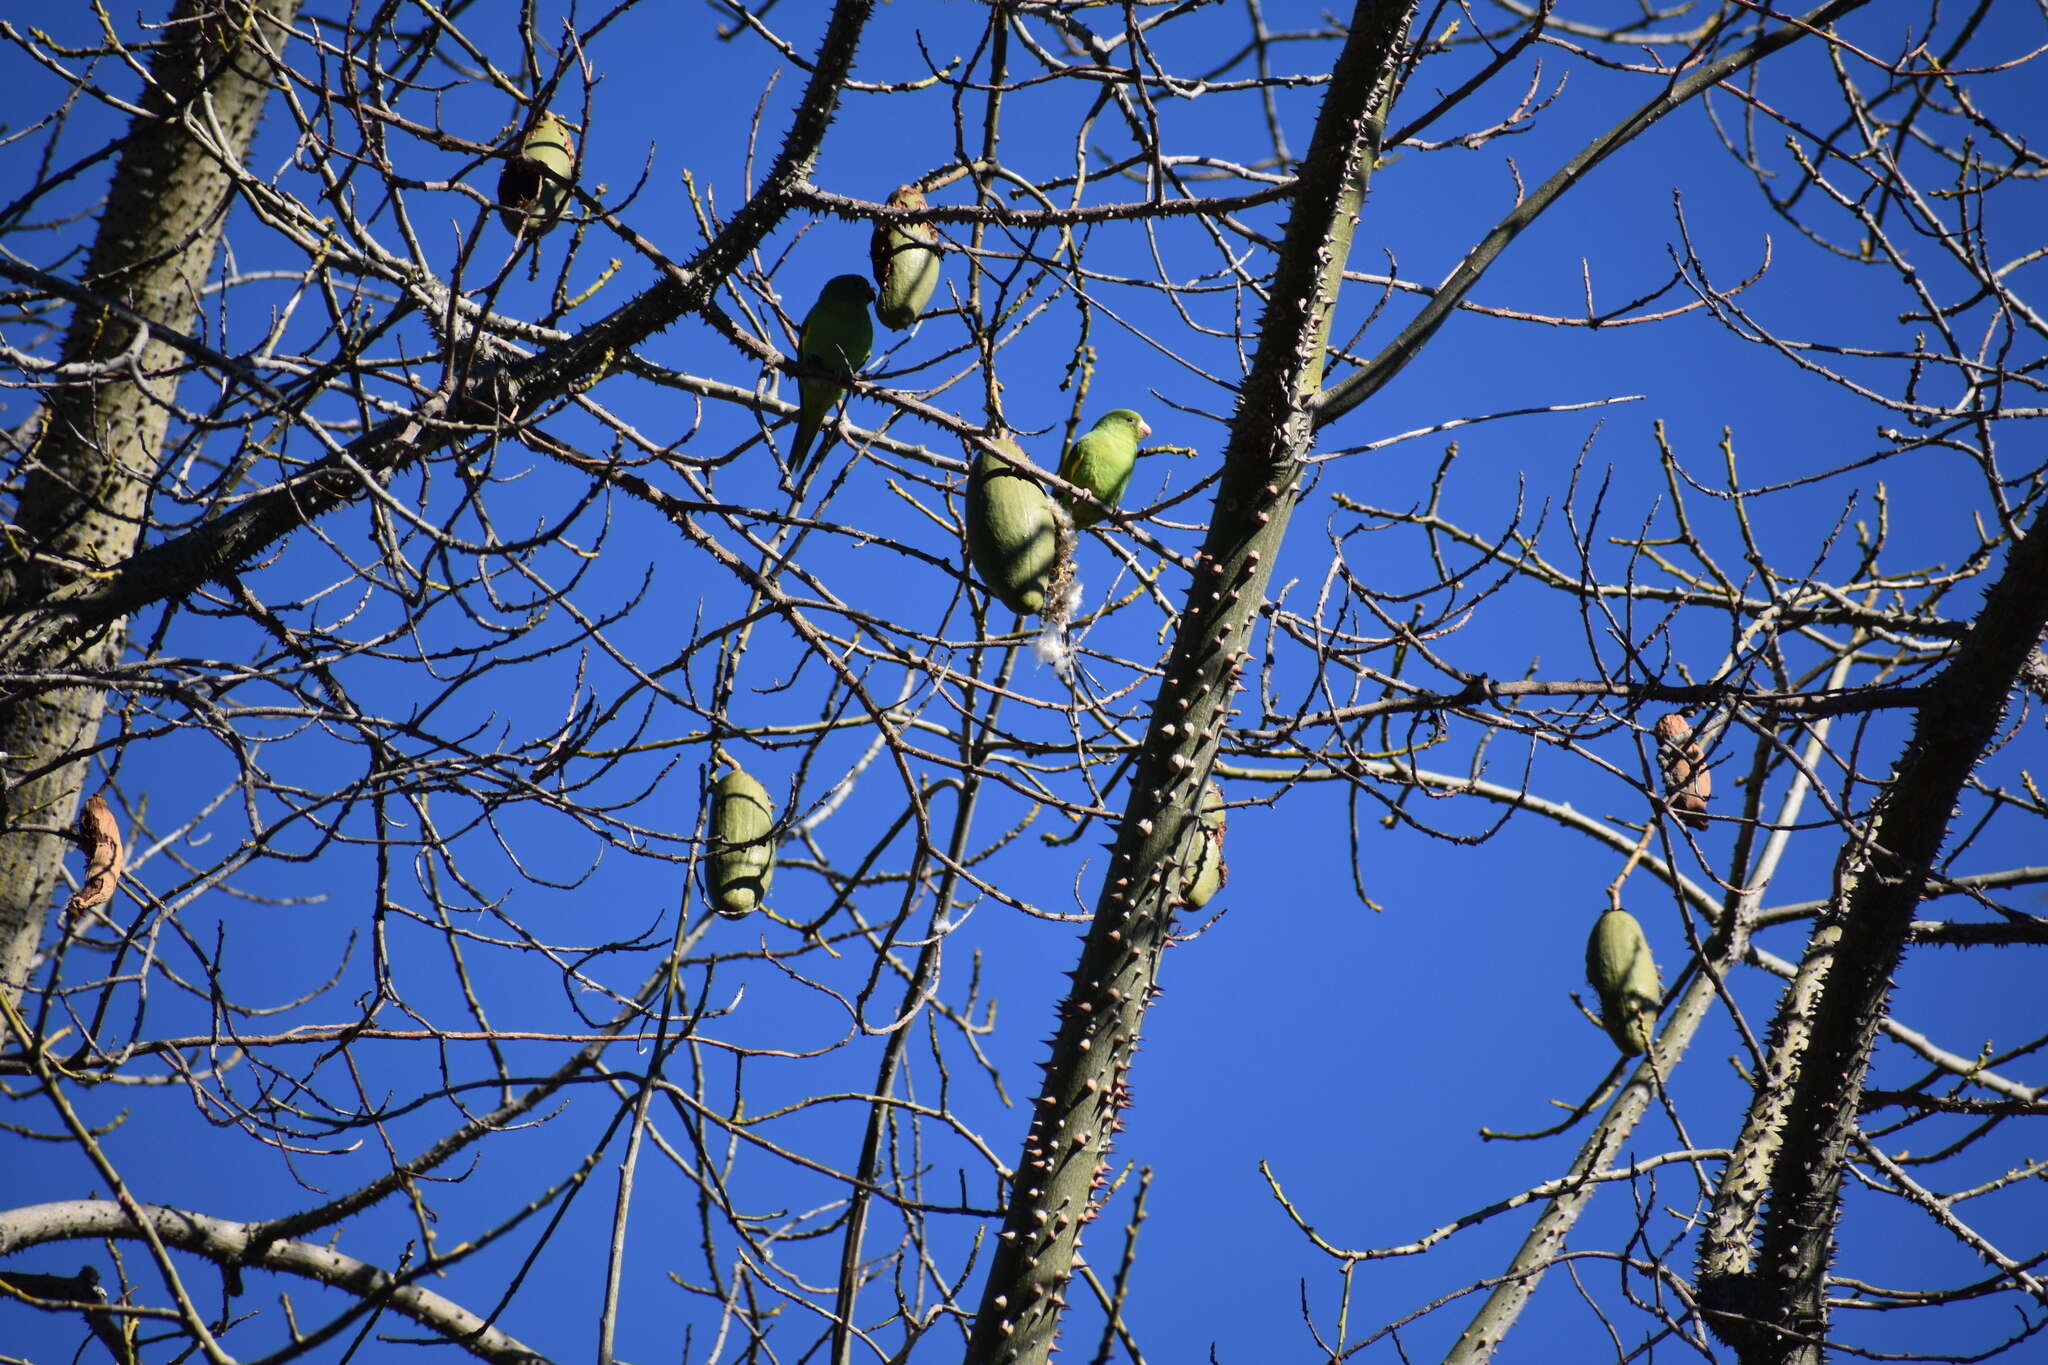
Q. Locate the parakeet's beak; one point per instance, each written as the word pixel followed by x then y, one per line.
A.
pixel 1144 428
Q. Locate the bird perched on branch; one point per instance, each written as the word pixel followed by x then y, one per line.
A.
pixel 837 336
pixel 1102 460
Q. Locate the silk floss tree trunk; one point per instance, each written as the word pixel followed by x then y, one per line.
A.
pixel 1763 1260
pixel 1055 1186
pixel 94 448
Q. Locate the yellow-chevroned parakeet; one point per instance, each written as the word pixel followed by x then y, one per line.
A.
pixel 906 261
pixel 837 336
pixel 533 188
pixel 1101 461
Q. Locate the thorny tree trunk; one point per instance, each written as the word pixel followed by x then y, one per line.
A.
pixel 1065 1151
pixel 92 459
pixel 1767 1295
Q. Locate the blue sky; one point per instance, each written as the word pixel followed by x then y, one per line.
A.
pixel 1357 1050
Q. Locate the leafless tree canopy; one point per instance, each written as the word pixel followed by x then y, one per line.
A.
pixel 404 561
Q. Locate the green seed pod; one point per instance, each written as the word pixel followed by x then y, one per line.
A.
pixel 1013 533
pixel 1203 860
pixel 906 261
pixel 1624 975
pixel 742 860
pixel 533 188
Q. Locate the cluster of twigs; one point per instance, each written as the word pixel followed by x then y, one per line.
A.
pixel 395 580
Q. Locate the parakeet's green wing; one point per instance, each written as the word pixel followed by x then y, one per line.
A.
pixel 1114 494
pixel 838 333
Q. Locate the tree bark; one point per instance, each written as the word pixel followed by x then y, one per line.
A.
pixel 1766 1295
pixel 75 619
pixel 231 1244
pixel 89 470
pixel 1066 1149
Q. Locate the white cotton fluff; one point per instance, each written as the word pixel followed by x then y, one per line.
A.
pixel 1054 645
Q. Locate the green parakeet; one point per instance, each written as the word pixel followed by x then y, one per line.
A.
pixel 906 261
pixel 1102 460
pixel 533 188
pixel 837 335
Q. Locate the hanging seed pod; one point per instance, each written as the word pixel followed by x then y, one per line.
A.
pixel 1013 530
pixel 533 188
pixel 1212 815
pixel 1690 801
pixel 742 860
pixel 1624 975
pixel 906 261
pixel 99 834
pixel 1688 782
pixel 1203 860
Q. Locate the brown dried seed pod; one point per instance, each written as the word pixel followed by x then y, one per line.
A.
pixel 1691 800
pixel 1672 736
pixel 99 834
pixel 1687 781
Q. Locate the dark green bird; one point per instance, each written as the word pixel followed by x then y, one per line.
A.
pixel 837 335
pixel 1102 460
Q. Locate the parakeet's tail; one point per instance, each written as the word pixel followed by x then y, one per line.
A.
pixel 799 448
pixel 810 441
pixel 816 400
